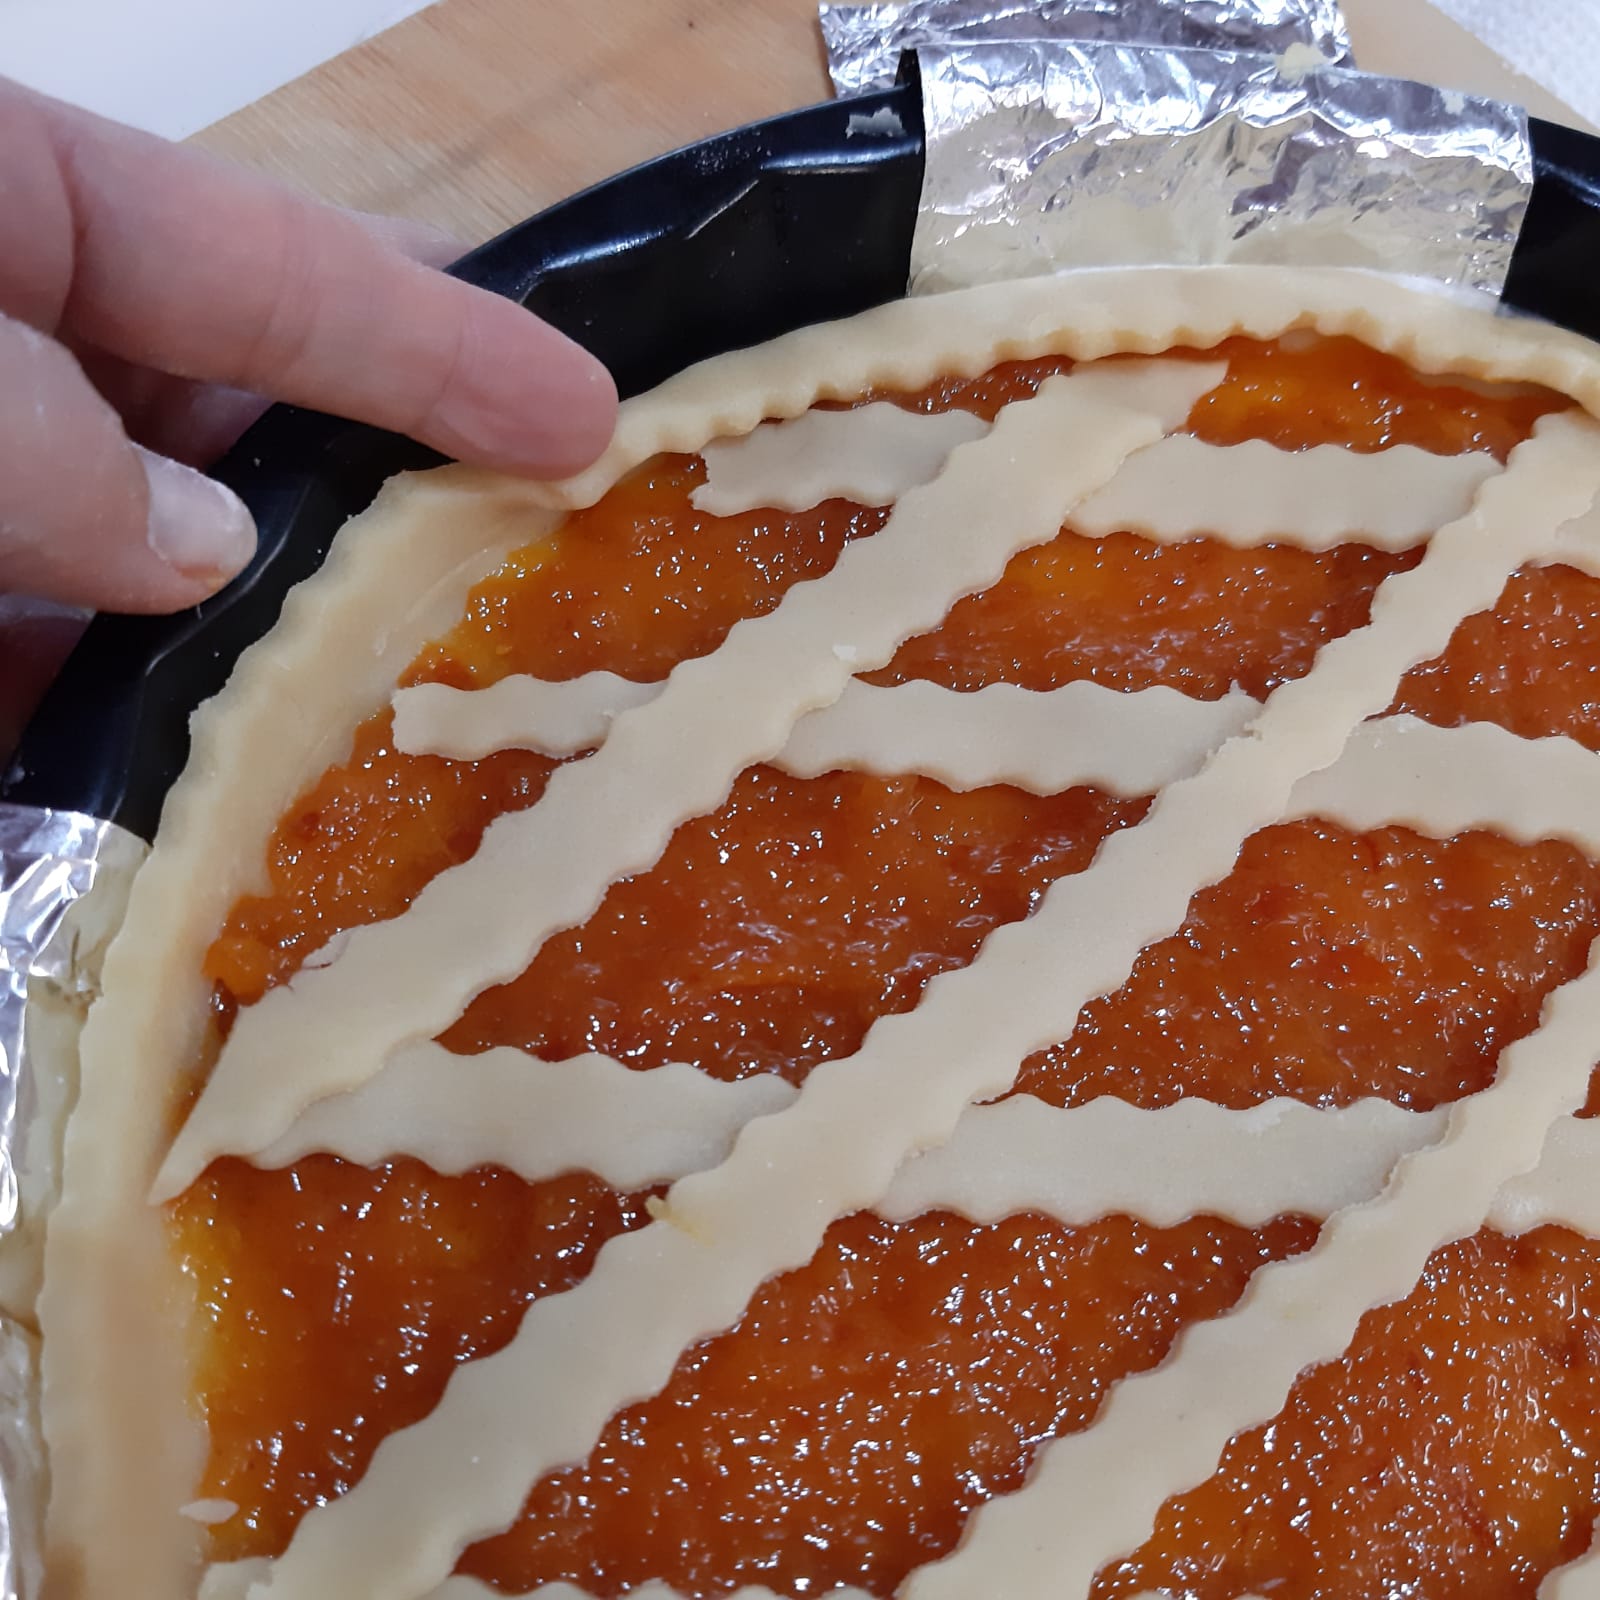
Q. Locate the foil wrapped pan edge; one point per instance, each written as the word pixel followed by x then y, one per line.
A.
pixel 64 882
pixel 864 42
pixel 1043 156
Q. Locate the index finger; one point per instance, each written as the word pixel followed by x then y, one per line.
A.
pixel 182 263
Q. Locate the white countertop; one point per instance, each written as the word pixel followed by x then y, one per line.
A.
pixel 176 66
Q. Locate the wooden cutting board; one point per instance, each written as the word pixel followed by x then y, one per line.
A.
pixel 475 113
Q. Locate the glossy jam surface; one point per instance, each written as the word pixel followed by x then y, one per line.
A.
pixel 1331 965
pixel 841 1432
pixel 773 933
pixel 910 1372
pixel 1452 1453
pixel 884 1350
pixel 350 1295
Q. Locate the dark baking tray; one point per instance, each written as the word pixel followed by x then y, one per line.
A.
pixel 726 243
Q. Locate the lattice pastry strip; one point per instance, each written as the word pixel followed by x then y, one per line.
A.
pixel 1176 488
pixel 1076 1164
pixel 631 1128
pixel 1462 571
pixel 506 1418
pixel 317 1035
pixel 233 1580
pixel 1227 1375
pixel 1577 1581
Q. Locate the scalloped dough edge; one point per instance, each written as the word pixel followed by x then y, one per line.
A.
pixel 294 700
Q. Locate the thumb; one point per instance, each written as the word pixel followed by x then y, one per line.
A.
pixel 88 517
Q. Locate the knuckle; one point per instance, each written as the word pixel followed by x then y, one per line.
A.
pixel 280 329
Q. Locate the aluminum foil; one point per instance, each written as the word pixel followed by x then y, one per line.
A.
pixel 1046 155
pixel 64 881
pixel 864 42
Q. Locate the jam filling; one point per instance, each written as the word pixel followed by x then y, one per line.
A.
pixel 843 1430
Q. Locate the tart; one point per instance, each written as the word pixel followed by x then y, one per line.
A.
pixel 964 971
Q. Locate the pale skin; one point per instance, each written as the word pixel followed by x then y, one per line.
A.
pixel 152 300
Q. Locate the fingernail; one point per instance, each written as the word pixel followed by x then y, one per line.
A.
pixel 197 525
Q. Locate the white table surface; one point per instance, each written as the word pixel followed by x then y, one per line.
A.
pixel 176 66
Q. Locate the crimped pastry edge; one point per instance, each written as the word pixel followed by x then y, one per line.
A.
pixel 124 1455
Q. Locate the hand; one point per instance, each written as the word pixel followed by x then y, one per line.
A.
pixel 151 297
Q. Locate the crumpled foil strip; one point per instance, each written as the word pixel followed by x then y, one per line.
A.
pixel 864 42
pixel 1045 155
pixel 64 881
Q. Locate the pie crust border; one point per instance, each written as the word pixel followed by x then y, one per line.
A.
pixel 114 1311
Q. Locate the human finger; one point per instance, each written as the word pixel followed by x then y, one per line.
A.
pixel 182 263
pixel 191 422
pixel 90 518
pixel 196 422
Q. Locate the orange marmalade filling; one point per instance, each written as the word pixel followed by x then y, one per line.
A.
pixel 842 1431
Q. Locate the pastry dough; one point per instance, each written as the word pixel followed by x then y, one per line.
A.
pixel 399 574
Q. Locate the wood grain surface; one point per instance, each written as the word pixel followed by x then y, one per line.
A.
pixel 475 113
